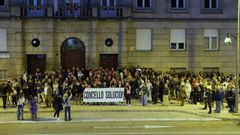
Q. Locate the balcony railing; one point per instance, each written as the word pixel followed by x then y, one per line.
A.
pixel 110 11
pixel 71 12
pixel 34 11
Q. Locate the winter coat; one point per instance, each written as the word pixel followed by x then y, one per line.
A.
pixel 217 96
pixel 33 106
pixel 144 90
pixel 66 101
pixel 57 103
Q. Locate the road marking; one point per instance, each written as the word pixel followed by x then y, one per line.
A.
pixel 150 119
pixel 112 120
pixel 147 133
pixel 153 126
pixel 131 127
pixel 118 127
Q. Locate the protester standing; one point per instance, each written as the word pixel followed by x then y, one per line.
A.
pixel 143 93
pixel 48 94
pixel 161 89
pixel 55 87
pixel 20 105
pixel 4 95
pixel 182 94
pixel 218 99
pixel 188 88
pixel 57 105
pixel 155 90
pixel 128 94
pixel 166 94
pixel 67 106
pixel 149 90
pixel 33 107
pixel 231 99
pixel 209 100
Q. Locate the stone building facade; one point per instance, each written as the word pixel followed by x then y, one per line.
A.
pixel 177 35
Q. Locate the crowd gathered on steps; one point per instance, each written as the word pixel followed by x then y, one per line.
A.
pixel 149 85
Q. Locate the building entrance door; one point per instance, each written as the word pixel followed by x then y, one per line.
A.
pixel 109 61
pixel 73 53
pixel 35 61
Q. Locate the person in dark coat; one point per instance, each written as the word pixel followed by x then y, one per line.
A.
pixel 209 100
pixel 57 105
pixel 155 90
pixel 231 98
pixel 161 89
pixel 4 94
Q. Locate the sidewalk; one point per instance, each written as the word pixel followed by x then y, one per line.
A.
pixel 136 107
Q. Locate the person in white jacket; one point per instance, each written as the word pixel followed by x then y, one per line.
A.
pixel 20 105
pixel 149 90
pixel 188 88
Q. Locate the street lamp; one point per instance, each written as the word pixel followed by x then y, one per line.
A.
pixel 229 41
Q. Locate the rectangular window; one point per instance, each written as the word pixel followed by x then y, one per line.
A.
pixel 181 3
pixel 31 2
pixel 39 3
pixel 211 39
pixel 144 39
pixel 73 5
pixel 139 3
pixel 112 3
pixel 143 3
pixel 177 70
pixel 104 3
pixel 147 3
pixel 177 39
pixel 2 2
pixel 211 4
pixel 177 3
pixel 3 74
pixel 3 40
pixel 35 2
pixel 4 5
pixel 108 3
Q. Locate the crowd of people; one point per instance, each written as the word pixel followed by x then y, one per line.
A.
pixel 149 85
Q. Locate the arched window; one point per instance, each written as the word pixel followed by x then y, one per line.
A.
pixel 72 43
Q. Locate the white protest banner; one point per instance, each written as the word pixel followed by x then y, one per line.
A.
pixel 103 95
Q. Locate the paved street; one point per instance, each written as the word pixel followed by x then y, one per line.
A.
pixel 118 127
pixel 120 119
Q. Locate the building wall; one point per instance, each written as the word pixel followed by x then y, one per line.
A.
pixel 53 32
pixel 194 58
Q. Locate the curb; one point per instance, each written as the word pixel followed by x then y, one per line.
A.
pixel 156 110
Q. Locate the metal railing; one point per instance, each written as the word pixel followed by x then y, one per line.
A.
pixel 110 12
pixel 34 11
pixel 71 12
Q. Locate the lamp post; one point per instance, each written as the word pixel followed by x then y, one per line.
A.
pixel 228 41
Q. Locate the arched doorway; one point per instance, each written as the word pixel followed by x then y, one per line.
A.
pixel 73 53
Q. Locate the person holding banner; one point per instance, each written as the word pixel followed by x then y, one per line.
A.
pixel 128 94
